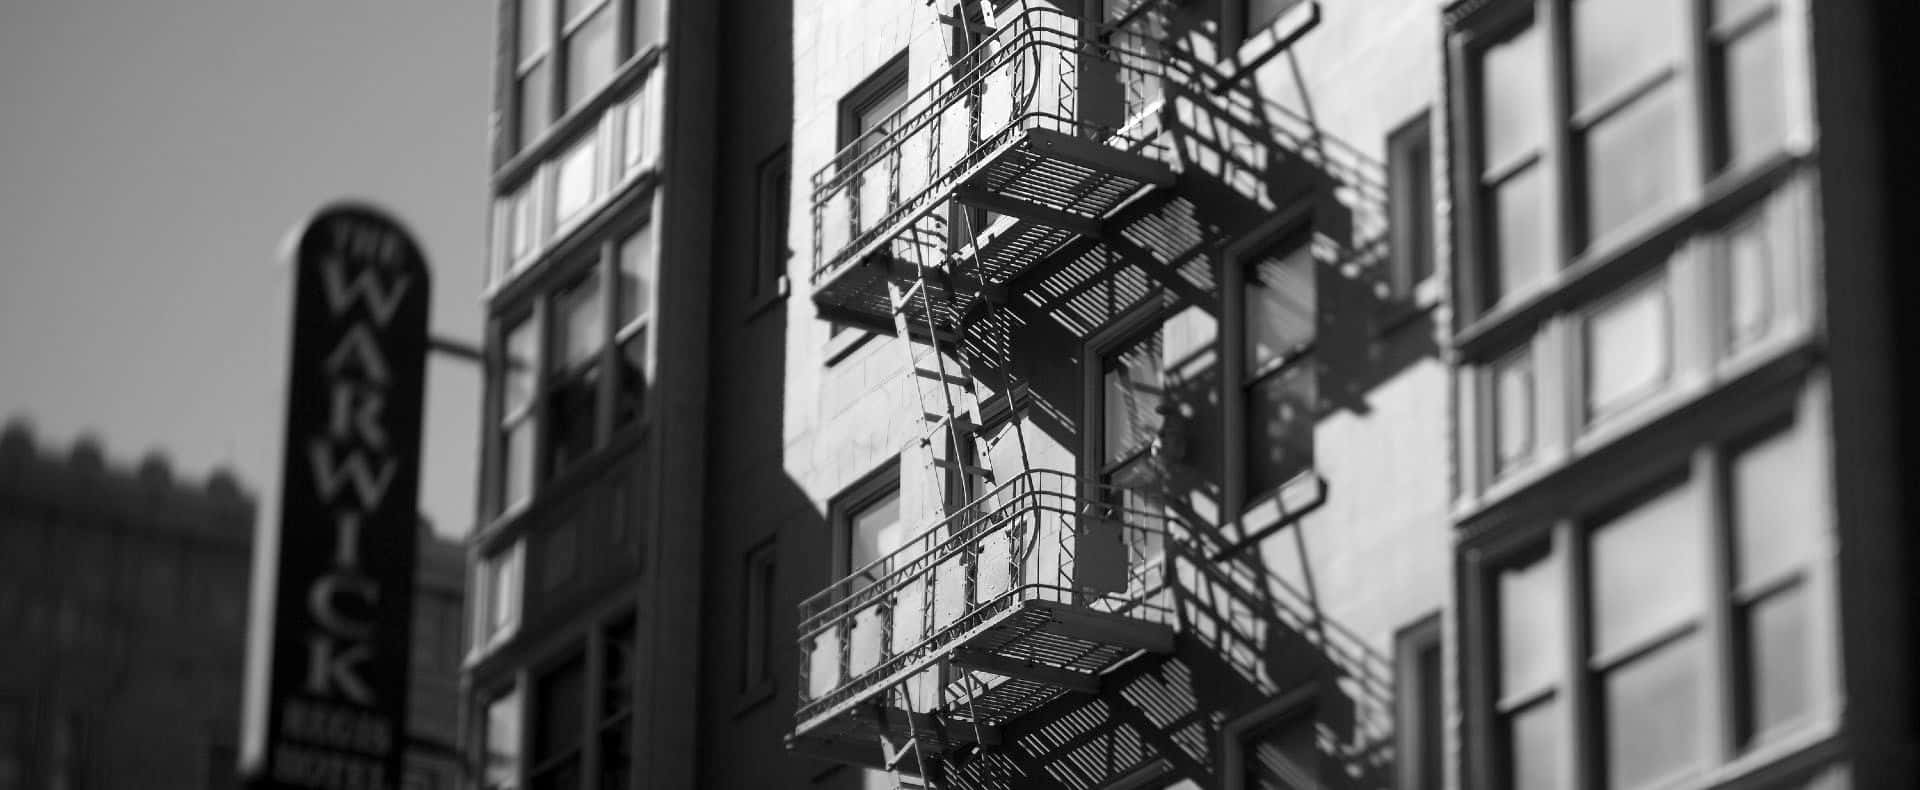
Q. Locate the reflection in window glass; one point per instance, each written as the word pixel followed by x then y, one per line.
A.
pixel 1131 399
pixel 1632 161
pixel 574 187
pixel 1517 240
pixel 1530 611
pixel 1283 755
pixel 631 388
pixel 522 233
pixel 1533 747
pixel 875 531
pixel 1652 708
pixel 1635 596
pixel 1280 307
pixel 592 51
pixel 1513 91
pixel 559 700
pixel 1749 294
pixel 1754 118
pixel 1512 410
pixel 1627 348
pixel 502 767
pixel 1617 43
pixel 1776 640
pixel 523 357
pixel 571 412
pixel 1279 428
pixel 503 589
pixel 1777 509
pixel 516 452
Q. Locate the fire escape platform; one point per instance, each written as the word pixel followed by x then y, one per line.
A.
pixel 856 736
pixel 1055 187
pixel 1047 650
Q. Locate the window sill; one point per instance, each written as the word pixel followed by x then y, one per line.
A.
pixel 753 697
pixel 1595 268
pixel 757 307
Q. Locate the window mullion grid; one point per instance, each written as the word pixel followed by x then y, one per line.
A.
pixel 1577 714
pixel 1556 156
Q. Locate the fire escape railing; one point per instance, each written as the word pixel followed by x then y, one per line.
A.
pixel 1014 545
pixel 1026 75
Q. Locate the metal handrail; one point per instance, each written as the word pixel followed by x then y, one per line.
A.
pixel 1029 37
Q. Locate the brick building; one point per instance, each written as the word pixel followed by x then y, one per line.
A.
pixel 1223 394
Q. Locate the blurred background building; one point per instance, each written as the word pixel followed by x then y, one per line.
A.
pixel 1223 394
pixel 123 594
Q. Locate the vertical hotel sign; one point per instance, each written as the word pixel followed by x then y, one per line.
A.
pixel 328 672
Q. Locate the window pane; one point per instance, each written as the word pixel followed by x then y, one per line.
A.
pixel 1533 747
pixel 1647 569
pixel 563 775
pixel 1283 756
pixel 1261 13
pixel 636 274
pixel 1733 11
pixel 617 665
pixel 631 388
pixel 536 91
pixel 1755 117
pixel 1779 672
pixel 536 27
pixel 1777 508
pixel 577 327
pixel 633 148
pixel 522 232
pixel 1749 293
pixel 1652 707
pixel 516 453
pixel 559 698
pixel 1131 399
pixel 503 584
pixel 1513 114
pixel 523 356
pixel 570 419
pixel 502 767
pixel 1619 42
pixel 1411 182
pixel 1627 348
pixel 1279 428
pixel 574 187
pixel 1531 612
pixel 592 53
pixel 1632 161
pixel 616 757
pixel 871 122
pixel 1512 410
pixel 646 23
pixel 1280 307
pixel 876 531
pixel 1517 240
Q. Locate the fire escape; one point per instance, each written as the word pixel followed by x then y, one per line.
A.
pixel 1030 583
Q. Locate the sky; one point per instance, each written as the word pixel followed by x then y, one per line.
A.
pixel 153 158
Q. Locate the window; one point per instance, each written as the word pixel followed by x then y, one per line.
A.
pixel 591 46
pixel 1281 315
pixel 1410 191
pixel 1420 707
pixel 559 705
pixel 759 599
pixel 866 117
pixel 1747 56
pixel 1275 746
pixel 499 603
pixel 1513 413
pixel 515 380
pixel 549 377
pixel 618 670
pixel 533 74
pixel 770 257
pixel 1513 93
pixel 1631 586
pixel 1626 343
pixel 576 183
pixel 576 333
pixel 874 530
pixel 500 768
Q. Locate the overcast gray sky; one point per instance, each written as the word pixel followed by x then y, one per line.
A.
pixel 153 155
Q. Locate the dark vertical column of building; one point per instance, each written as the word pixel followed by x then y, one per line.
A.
pixel 671 606
pixel 1865 211
pixel 753 508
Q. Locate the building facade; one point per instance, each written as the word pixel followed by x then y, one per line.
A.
pixel 124 595
pixel 1218 394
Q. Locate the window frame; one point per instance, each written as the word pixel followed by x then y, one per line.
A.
pixel 870 489
pixel 553 54
pixel 1560 513
pixel 891 76
pixel 1260 512
pixel 757 679
pixel 1411 733
pixel 1303 701
pixel 1414 272
pixel 773 204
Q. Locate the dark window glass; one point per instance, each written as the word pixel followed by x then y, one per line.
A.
pixel 1283 755
pixel 1410 182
